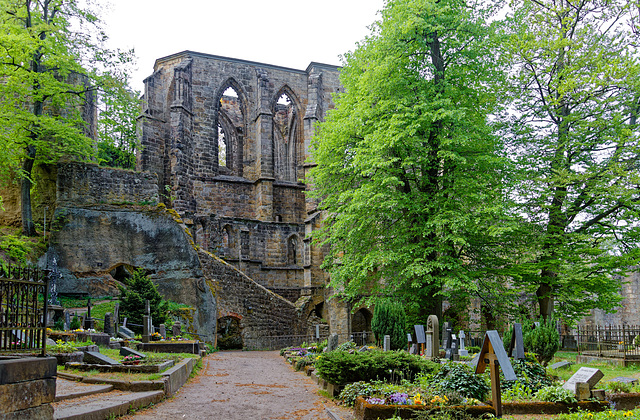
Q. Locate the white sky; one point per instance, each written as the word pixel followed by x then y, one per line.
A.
pixel 288 33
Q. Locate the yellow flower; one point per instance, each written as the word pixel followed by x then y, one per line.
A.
pixel 628 414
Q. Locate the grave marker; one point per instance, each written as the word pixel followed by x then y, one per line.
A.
pixel 67 320
pixel 446 326
pixel 585 374
pixel 146 333
pixel 420 337
pixel 96 358
pixel 462 351
pixel 561 365
pixel 448 341
pixel 126 351
pixel 176 328
pixel 125 332
pixel 333 342
pixel 387 343
pixel 163 330
pixel 516 343
pixel 493 354
pixel 433 337
pixel 108 324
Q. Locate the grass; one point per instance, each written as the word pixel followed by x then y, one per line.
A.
pixel 610 371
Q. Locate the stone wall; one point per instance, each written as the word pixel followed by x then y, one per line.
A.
pixel 628 313
pixel 27 388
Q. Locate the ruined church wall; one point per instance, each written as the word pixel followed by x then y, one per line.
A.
pixel 628 313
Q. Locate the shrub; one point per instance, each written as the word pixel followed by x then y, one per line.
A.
pixel 59 324
pixel 618 387
pixel 530 374
pixel 339 367
pixel 75 323
pixel 355 390
pixel 346 346
pixel 132 300
pixel 543 340
pixel 390 319
pixel 556 394
pixel 457 377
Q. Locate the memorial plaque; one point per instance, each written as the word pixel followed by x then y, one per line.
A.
pixel 420 337
pixel 585 374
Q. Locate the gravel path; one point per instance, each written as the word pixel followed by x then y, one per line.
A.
pixel 246 385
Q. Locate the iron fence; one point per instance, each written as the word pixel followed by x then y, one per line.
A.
pixel 24 294
pixel 613 341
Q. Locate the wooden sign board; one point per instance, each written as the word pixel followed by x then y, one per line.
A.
pixel 493 355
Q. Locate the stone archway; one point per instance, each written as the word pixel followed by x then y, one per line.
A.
pixel 361 326
pixel 229 333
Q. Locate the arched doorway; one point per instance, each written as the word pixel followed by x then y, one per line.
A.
pixel 229 337
pixel 361 327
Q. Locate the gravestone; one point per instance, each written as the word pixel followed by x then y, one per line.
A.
pixel 88 322
pixel 163 330
pixel 146 331
pixel 387 343
pixel 561 365
pixel 333 342
pixel 318 332
pixel 126 351
pixel 409 341
pixel 433 337
pixel 516 343
pixel 176 328
pixel 108 324
pixel 448 341
pixel 67 320
pixel 585 374
pixel 462 351
pixel 583 391
pixel 624 379
pixel 96 358
pixel 420 337
pixel 493 355
pixel 413 349
pixel 147 307
pixel 125 332
pixel 124 323
pixel 445 337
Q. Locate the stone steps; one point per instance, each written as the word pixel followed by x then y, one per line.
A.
pixel 104 405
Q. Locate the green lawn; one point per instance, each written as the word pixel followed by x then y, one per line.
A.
pixel 610 371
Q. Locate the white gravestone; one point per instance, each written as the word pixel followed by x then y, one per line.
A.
pixel 585 374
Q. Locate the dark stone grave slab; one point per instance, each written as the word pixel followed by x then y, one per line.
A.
pixel 561 365
pixel 624 379
pixel 95 358
pixel 420 338
pixel 126 332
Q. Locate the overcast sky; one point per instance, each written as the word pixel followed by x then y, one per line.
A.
pixel 289 33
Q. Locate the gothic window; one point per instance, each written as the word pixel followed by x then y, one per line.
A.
pixel 222 147
pixel 285 134
pixel 244 243
pixel 229 133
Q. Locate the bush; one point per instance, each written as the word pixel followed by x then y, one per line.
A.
pixel 355 390
pixel 543 340
pixel 556 394
pixel 339 367
pixel 75 323
pixel 530 374
pixel 390 319
pixel 132 300
pixel 458 377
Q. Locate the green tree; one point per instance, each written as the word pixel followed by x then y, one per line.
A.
pixel 51 60
pixel 408 169
pixel 139 289
pixel 573 138
pixel 389 319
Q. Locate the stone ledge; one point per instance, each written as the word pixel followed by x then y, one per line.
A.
pixel 178 375
pixel 24 395
pixel 27 369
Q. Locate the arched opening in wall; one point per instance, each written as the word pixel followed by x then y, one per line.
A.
pixel 229 333
pixel 285 137
pixel 201 236
pixel 361 327
pixel 227 241
pixel 229 131
pixel 293 250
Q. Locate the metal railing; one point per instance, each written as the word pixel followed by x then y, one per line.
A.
pixel 614 341
pixel 24 293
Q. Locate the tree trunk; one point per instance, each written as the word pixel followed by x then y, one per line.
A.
pixel 28 227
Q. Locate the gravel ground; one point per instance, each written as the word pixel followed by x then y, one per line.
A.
pixel 246 385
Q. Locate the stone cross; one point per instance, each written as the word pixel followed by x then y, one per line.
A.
pixel 387 343
pixel 88 322
pixel 462 351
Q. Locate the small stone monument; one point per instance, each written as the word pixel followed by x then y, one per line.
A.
pixel 445 337
pixel 420 337
pixel 88 322
pixel 67 320
pixel 108 324
pixel 163 330
pixel 176 329
pixel 462 351
pixel 387 343
pixel 433 337
pixel 448 340
pixel 333 342
pixel 145 329
pixel 590 376
pixel 516 343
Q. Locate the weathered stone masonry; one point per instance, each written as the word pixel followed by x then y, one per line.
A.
pixel 229 141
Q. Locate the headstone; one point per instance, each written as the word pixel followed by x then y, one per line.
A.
pixel 176 328
pixel 124 323
pixel 387 343
pixel 516 343
pixel 125 332
pixel 598 394
pixel 50 342
pixel 433 331
pixel 116 312
pixel 163 330
pixel 413 349
pixel 147 307
pixel 561 365
pixel 108 324
pixel 494 356
pixel 317 331
pixel 429 346
pixel 462 351
pixel 97 358
pixel 448 354
pixel 420 338
pixel 445 337
pixel 67 320
pixel 88 322
pixel 54 276
pixel 126 351
pixel 585 374
pixel 363 348
pixel 146 333
pixel 333 342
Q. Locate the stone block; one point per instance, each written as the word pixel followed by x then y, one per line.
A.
pixel 583 391
pixel 95 358
pixel 23 395
pixel 561 365
pixel 127 351
pixel 598 394
pixel 585 374
pixel 125 332
pixel 27 369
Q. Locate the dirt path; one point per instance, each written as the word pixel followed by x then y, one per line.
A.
pixel 245 385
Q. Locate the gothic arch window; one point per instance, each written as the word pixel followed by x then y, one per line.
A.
pixel 285 136
pixel 227 240
pixel 293 250
pixel 229 132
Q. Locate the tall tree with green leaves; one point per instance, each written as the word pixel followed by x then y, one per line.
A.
pixel 407 166
pixel 52 59
pixel 573 137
